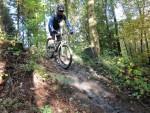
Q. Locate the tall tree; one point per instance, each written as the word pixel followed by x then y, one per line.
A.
pixel 66 7
pixel 94 37
pixel 6 22
pixel 109 35
pixel 116 26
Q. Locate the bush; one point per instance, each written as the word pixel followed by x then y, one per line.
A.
pixel 128 76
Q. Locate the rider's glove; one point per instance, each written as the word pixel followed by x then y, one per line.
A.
pixel 54 32
pixel 71 32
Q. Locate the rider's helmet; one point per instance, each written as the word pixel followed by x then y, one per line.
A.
pixel 60 8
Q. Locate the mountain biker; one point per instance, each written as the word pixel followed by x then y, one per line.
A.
pixel 54 22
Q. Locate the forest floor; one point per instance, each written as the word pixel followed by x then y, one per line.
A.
pixel 49 88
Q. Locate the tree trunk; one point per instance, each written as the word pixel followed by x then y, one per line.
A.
pixel 1 14
pixel 147 48
pixel 141 13
pixel 135 46
pixel 116 30
pixel 126 46
pixel 130 49
pixel 66 7
pixel 141 42
pixel 94 38
pixel 107 26
pixel 18 17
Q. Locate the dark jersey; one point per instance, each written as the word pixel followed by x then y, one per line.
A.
pixel 54 22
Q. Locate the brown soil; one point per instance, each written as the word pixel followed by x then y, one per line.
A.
pixel 63 91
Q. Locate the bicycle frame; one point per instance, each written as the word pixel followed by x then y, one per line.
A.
pixel 60 46
pixel 62 41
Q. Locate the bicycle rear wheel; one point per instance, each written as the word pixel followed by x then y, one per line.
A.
pixel 64 56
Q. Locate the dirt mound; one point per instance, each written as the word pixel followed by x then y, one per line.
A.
pixel 25 88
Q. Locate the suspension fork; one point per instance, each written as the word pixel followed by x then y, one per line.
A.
pixel 57 45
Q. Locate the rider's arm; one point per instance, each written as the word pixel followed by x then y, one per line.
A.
pixel 50 23
pixel 68 24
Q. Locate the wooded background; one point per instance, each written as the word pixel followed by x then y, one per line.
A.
pixel 99 29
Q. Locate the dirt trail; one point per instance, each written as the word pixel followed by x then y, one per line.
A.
pixel 64 91
pixel 95 91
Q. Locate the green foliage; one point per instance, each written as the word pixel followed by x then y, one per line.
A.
pixel 36 54
pixel 41 71
pixel 15 104
pixel 14 49
pixel 128 76
pixel 125 73
pixel 87 56
pixel 29 66
pixel 133 31
pixel 6 22
pixel 46 109
pixel 10 104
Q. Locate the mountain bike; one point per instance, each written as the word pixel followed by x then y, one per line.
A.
pixel 60 50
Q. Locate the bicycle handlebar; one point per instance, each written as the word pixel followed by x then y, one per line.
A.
pixel 61 34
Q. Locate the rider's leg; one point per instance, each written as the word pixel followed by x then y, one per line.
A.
pixel 51 39
pixel 59 38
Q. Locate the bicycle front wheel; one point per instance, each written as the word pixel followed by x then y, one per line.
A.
pixel 64 56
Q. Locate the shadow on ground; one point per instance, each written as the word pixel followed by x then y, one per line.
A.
pixel 23 90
